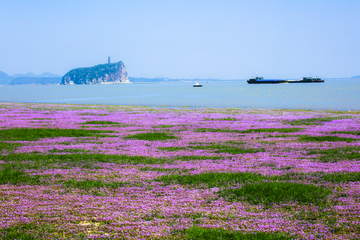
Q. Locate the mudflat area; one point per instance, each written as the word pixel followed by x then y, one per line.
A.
pixel 124 172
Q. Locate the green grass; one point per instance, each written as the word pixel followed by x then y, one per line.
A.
pixel 305 138
pixel 151 136
pixel 342 177
pixel 166 126
pixel 278 192
pixel 357 132
pixel 258 130
pixel 100 122
pixel 9 175
pixel 77 160
pixel 8 147
pixel 221 119
pixel 171 149
pixel 279 130
pixel 199 233
pixel 69 151
pixel 315 121
pixel 214 179
pixel 90 184
pixel 29 231
pixel 196 157
pixel 33 134
pixel 216 130
pixel 227 149
pixel 157 169
pixel 337 154
pixel 281 136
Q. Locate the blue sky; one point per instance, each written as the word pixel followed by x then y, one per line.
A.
pixel 183 39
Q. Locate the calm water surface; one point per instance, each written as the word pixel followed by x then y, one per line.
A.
pixel 336 94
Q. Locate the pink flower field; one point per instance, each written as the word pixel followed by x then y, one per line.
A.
pixel 123 172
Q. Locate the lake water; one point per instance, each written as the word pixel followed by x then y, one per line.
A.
pixel 339 94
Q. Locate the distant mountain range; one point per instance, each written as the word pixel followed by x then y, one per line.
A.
pixel 29 78
pixel 30 74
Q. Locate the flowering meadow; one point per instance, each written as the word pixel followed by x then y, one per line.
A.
pixel 123 172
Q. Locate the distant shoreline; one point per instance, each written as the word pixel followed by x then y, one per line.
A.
pixel 168 82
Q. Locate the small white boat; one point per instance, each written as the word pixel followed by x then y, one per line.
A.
pixel 197 85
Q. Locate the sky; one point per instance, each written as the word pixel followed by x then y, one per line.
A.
pixel 220 39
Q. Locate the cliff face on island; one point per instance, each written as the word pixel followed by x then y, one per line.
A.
pixel 102 73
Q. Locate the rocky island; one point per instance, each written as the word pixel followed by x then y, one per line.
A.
pixel 110 73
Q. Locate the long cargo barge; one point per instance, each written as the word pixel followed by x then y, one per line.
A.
pixel 261 80
pixel 307 80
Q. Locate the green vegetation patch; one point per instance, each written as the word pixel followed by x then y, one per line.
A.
pixel 306 138
pixel 356 132
pixel 257 130
pixel 200 233
pixel 171 149
pixel 216 130
pixel 9 175
pixel 214 179
pixel 69 151
pixel 29 231
pixel 33 134
pixel 279 130
pixel 342 177
pixel 42 119
pixel 37 161
pixel 151 136
pixel 100 122
pixel 278 192
pixel 90 184
pixel 197 157
pixel 315 121
pixel 166 126
pixel 282 136
pixel 157 169
pixel 8 147
pixel 227 149
pixel 337 154
pixel 221 119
